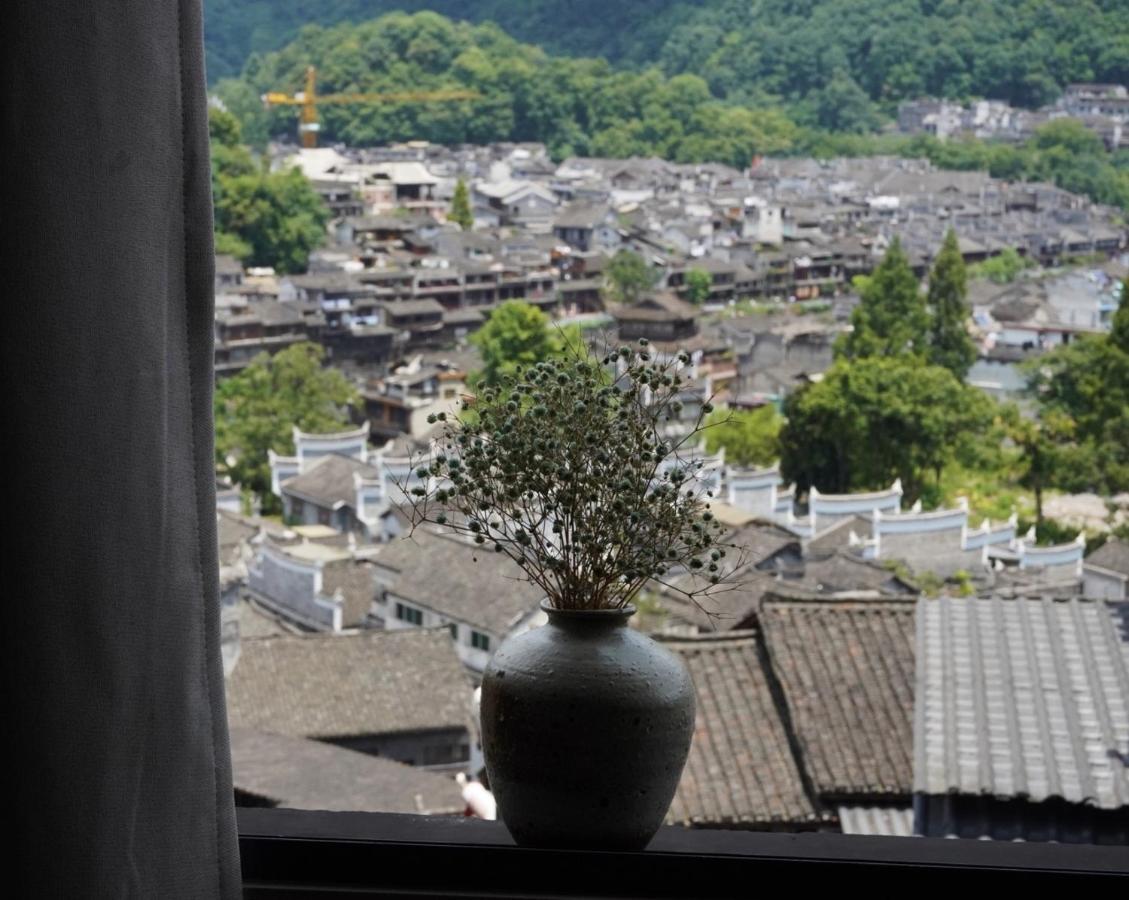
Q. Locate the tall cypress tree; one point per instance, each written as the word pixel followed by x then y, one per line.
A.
pixel 891 320
pixel 460 207
pixel 949 343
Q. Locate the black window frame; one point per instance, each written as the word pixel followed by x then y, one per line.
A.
pixel 300 853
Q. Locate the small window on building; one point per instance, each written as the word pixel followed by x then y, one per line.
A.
pixel 454 629
pixel 323 516
pixel 409 614
pixel 479 641
pixel 297 507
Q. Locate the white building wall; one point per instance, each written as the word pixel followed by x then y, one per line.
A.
pixel 1100 584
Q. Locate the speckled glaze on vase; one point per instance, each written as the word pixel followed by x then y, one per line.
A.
pixel 586 725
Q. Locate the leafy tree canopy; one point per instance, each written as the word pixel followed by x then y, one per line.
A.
pixel 1082 392
pixel 750 437
pixel 698 284
pixel 723 83
pixel 516 335
pixel 575 106
pixel 629 277
pixel 1003 268
pixel 746 49
pixel 262 218
pixel 874 419
pixel 257 409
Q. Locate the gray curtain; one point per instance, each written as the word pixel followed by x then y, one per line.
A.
pixel 118 780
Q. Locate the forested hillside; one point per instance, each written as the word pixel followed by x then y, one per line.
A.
pixel 632 31
pixel 575 105
pixel 585 106
pixel 809 53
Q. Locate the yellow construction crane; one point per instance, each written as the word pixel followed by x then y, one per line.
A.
pixel 309 100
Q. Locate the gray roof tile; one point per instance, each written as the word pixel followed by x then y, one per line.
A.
pixel 847 669
pixel 1113 555
pixel 452 576
pixel 330 480
pixel 348 685
pixel 297 773
pixel 741 772
pixel 1023 698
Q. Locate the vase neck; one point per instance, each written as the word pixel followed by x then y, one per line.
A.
pixel 588 619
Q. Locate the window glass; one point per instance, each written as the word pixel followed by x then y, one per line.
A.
pixel 876 311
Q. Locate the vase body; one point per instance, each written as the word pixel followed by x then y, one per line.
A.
pixel 586 725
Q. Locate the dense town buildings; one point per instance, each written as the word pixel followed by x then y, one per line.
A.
pixel 1102 108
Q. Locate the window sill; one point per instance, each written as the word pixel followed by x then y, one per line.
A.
pixel 298 853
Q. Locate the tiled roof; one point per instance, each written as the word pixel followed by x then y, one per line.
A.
pixel 847 672
pixel 1023 698
pixel 1113 555
pixel 347 685
pixel 426 306
pixel 759 541
pixel 330 480
pixel 353 579
pixel 741 772
pixel 845 572
pixel 452 576
pixel 580 215
pixel 297 773
pixel 662 306
pixel 877 820
pixel 232 531
pixel 725 608
pixel 256 621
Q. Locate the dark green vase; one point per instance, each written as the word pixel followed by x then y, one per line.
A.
pixel 586 725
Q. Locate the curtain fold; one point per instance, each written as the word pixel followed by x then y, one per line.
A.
pixel 118 774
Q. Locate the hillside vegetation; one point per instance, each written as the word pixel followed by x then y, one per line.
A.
pixel 574 105
pixel 585 106
pixel 809 53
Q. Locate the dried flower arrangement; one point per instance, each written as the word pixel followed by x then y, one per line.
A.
pixel 564 468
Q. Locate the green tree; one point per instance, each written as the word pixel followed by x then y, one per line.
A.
pixel 1082 396
pixel 262 218
pixel 257 409
pixel 891 320
pixel 629 277
pixel 842 106
pixel 698 284
pixel 1020 52
pixel 276 214
pixel 949 343
pixel 1042 443
pixel 874 419
pixel 223 127
pixel 750 437
pixel 1069 135
pixel 517 335
pixel 1003 268
pixel 460 207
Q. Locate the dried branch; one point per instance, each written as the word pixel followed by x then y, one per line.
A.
pixel 566 469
